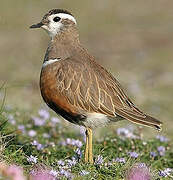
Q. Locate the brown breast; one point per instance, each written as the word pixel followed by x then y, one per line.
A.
pixel 51 91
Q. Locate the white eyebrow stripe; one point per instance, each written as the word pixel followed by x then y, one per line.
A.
pixel 50 61
pixel 67 16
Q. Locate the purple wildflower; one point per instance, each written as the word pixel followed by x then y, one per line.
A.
pixel 162 138
pixel 161 150
pixel 162 173
pixel 153 154
pixel 63 143
pixel 53 173
pixel 61 163
pixel 62 171
pixel 40 146
pixel 99 160
pixel 78 152
pixel 44 114
pixel 139 172
pixel 73 142
pixel 69 141
pixel 78 143
pixel 83 173
pixel 120 160
pixel 122 132
pixel 32 133
pixel 38 121
pixel 166 172
pixel 125 133
pixel 65 173
pixel 133 154
pixel 72 162
pixel 54 120
pixel 34 143
pixel 82 132
pixel 21 128
pixel 32 159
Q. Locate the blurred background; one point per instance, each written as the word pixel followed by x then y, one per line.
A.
pixel 132 39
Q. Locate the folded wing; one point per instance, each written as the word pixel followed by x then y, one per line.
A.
pixel 90 88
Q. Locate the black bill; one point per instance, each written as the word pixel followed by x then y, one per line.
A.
pixel 37 25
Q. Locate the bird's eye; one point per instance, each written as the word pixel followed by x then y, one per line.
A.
pixel 56 19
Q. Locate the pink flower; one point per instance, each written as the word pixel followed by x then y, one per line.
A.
pixel 42 174
pixel 14 172
pixel 139 172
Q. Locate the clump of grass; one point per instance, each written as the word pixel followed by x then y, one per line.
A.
pixel 5 135
pixel 2 125
pixel 2 140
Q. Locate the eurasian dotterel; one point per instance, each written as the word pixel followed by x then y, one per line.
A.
pixel 76 87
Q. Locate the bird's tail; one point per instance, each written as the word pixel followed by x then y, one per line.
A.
pixel 147 121
pixel 141 119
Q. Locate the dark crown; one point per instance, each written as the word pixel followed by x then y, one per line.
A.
pixel 56 11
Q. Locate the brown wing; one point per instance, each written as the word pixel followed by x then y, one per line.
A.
pixel 92 88
pixel 89 87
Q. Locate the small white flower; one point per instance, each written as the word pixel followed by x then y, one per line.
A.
pixel 144 143
pixel 52 144
pixel 83 173
pixel 32 159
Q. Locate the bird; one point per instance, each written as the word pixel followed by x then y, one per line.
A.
pixel 77 87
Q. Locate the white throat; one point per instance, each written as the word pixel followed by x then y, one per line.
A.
pixel 50 61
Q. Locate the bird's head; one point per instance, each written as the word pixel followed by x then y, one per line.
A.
pixel 56 21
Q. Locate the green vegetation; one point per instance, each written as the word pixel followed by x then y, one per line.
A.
pixel 43 140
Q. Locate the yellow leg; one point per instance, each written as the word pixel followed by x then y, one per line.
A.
pixel 86 147
pixel 90 146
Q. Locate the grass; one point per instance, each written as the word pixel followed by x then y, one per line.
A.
pixel 53 142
